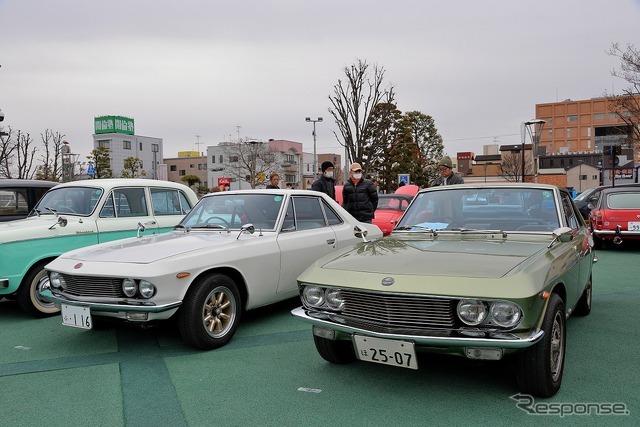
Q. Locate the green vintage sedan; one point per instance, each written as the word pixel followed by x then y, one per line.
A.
pixel 480 271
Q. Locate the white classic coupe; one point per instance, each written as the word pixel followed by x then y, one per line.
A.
pixel 234 251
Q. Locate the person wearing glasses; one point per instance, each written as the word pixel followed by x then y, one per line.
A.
pixel 447 175
pixel 359 195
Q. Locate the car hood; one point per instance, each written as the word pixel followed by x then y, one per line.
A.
pixel 450 256
pixel 30 228
pixel 153 248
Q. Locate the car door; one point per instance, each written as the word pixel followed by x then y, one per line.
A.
pixel 123 209
pixel 169 206
pixel 581 250
pixel 305 236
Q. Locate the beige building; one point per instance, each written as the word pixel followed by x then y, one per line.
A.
pixel 187 163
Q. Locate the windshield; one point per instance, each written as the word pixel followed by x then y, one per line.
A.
pixel 68 200
pixel 584 195
pixel 503 208
pixel 235 210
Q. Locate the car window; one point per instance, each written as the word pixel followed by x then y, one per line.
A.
pixel 235 210
pixel 169 201
pixel 69 200
pixel 507 209
pixel 308 213
pixel 332 217
pixel 569 213
pixel 624 200
pixel 13 201
pixel 125 202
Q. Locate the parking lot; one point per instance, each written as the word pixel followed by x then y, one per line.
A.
pixel 270 373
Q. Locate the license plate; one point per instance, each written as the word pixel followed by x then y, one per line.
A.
pixel 387 352
pixel 633 226
pixel 76 316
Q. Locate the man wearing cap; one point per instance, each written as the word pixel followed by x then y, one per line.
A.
pixel 326 183
pixel 447 175
pixel 359 195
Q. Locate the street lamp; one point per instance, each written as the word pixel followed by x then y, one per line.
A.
pixel 487 164
pixel 315 158
pixel 534 128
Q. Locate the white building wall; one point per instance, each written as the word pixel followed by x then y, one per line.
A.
pixel 137 146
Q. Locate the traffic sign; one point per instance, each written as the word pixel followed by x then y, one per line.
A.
pixel 91 170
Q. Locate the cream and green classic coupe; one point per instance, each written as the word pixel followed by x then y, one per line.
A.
pixel 235 251
pixel 78 214
pixel 480 271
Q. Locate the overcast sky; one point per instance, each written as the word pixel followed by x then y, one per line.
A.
pixel 205 67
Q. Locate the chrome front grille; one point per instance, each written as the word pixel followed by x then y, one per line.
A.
pixel 391 312
pixel 88 286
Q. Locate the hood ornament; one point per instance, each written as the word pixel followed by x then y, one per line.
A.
pixel 388 281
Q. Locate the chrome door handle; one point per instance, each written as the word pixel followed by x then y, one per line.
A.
pixel 331 241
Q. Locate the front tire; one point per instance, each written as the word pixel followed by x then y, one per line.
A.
pixel 29 293
pixel 334 351
pixel 210 313
pixel 541 366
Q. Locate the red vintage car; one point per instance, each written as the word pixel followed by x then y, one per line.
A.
pixel 390 209
pixel 616 215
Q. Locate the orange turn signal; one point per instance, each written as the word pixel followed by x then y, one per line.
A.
pixel 545 295
pixel 183 275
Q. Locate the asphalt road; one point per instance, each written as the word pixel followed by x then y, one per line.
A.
pixel 270 374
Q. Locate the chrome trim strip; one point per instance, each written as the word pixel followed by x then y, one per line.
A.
pixel 615 233
pixel 532 339
pixel 48 296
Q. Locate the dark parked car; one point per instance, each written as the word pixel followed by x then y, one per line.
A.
pixel 616 215
pixel 592 196
pixel 19 196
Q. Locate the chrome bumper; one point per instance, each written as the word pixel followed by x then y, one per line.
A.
pixel 420 340
pixel 128 305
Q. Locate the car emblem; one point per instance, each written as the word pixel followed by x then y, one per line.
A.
pixel 77 266
pixel 388 281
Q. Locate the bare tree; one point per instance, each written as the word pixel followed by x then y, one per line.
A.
pixel 512 166
pixel 251 161
pixel 23 153
pixel 352 103
pixel 627 105
pixel 51 168
pixel 7 149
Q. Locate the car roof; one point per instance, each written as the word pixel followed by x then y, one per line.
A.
pixel 628 188
pixel 120 182
pixel 501 185
pixel 26 183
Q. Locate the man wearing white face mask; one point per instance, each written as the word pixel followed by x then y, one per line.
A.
pixel 359 195
pixel 326 183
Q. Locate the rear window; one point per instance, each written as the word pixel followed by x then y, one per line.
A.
pixel 624 201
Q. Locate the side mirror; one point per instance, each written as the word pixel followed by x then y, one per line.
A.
pixel 563 234
pixel 62 222
pixel 361 233
pixel 590 206
pixel 246 228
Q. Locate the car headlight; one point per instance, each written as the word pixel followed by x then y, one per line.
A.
pixel 505 313
pixel 129 287
pixel 472 312
pixel 57 281
pixel 146 289
pixel 313 296
pixel 334 299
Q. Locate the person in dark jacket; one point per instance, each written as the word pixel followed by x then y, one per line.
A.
pixel 274 180
pixel 326 184
pixel 359 195
pixel 447 175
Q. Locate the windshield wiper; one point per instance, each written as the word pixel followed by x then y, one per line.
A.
pixel 210 225
pixel 53 211
pixel 419 227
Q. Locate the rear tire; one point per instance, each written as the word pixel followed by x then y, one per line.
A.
pixel 541 366
pixel 335 351
pixel 210 312
pixel 29 292
pixel 583 307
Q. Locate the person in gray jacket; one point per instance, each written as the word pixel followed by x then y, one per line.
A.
pixel 447 175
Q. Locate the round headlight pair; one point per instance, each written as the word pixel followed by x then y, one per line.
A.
pixel 57 281
pixel 145 288
pixel 316 296
pixel 503 313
